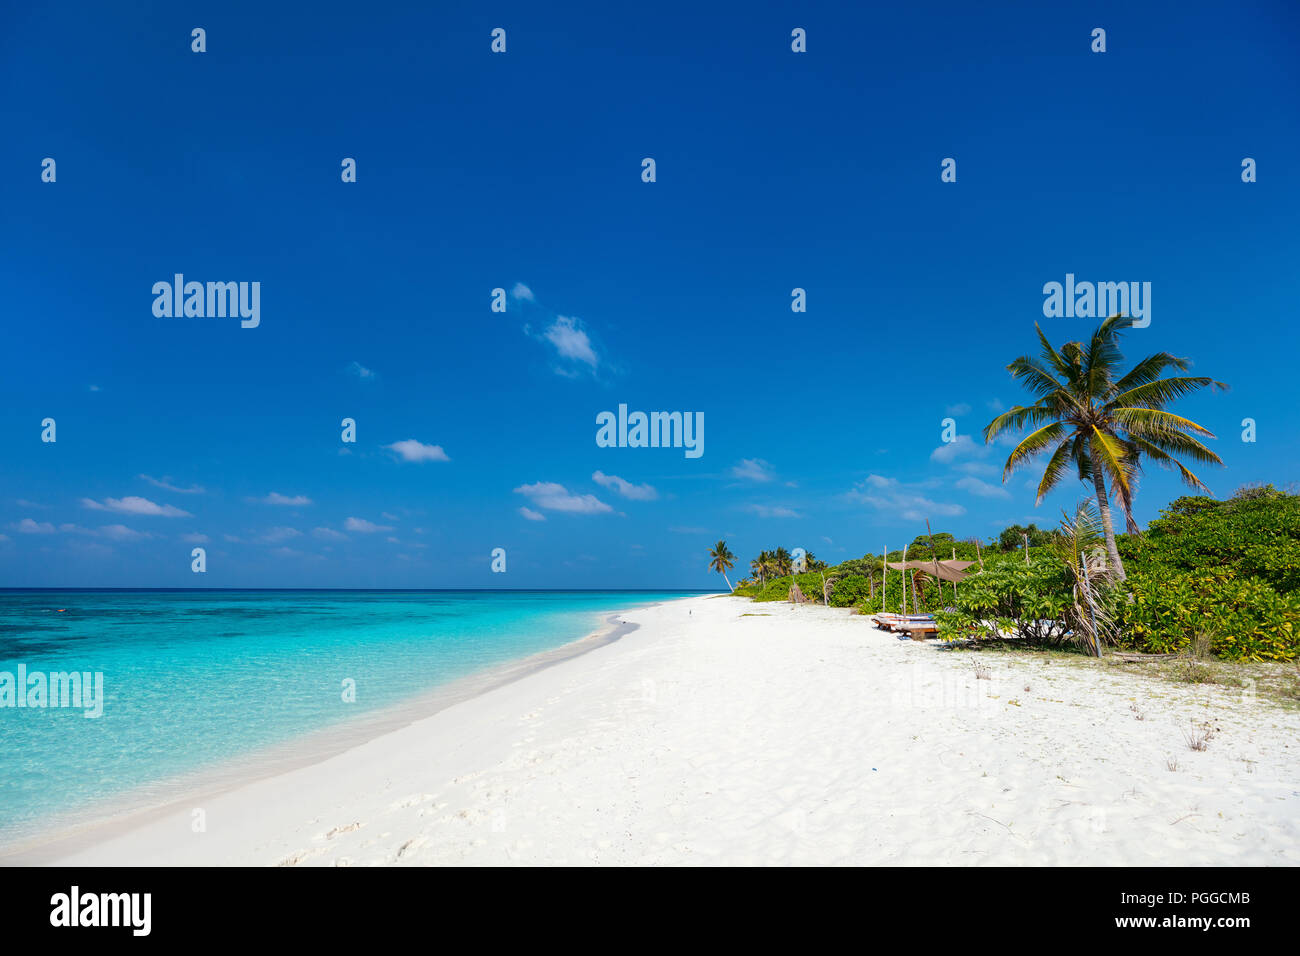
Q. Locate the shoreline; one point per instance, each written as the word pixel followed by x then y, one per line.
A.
pixel 731 733
pixel 73 831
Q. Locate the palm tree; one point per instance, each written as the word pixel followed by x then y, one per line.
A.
pixel 781 562
pixel 722 561
pixel 1100 423
pixel 759 567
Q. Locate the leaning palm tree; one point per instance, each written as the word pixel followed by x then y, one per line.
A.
pixel 722 561
pixel 1077 545
pixel 1099 423
pixel 759 567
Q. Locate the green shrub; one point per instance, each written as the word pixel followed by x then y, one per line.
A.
pixel 1244 618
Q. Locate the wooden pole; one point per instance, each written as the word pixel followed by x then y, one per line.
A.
pixel 905 580
pixel 938 582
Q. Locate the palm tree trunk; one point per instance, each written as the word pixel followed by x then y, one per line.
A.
pixel 729 587
pixel 1103 506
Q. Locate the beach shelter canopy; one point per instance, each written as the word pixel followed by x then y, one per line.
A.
pixel 947 570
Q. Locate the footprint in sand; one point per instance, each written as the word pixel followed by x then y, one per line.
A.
pixel 346 828
pixel 301 855
pixel 410 846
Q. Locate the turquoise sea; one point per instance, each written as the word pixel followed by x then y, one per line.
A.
pixel 194 679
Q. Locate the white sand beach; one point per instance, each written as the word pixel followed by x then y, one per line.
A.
pixel 726 732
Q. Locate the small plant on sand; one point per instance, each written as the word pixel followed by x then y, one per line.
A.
pixel 1171 764
pixel 982 672
pixel 1198 738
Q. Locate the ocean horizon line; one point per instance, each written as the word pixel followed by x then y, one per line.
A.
pixel 147 590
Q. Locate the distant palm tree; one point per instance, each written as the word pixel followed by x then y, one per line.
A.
pixel 722 561
pixel 781 562
pixel 1099 424
pixel 759 567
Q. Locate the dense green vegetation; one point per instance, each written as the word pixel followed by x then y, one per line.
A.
pixel 1222 575
pixel 1223 571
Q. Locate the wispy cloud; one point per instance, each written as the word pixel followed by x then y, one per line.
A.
pixel 963 446
pixel 982 489
pixel 530 514
pixel 362 526
pixel 521 291
pixel 753 469
pixel 132 505
pixel 165 483
pixel 329 534
pixel 552 496
pixel 571 341
pixel 625 488
pixel 28 526
pixel 275 498
pixel 961 408
pixel 900 500
pixel 360 371
pixel 773 511
pixel 411 450
pixel 120 532
pixel 276 535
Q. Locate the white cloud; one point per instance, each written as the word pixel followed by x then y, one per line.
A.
pixel 551 496
pixel 962 447
pixel 120 532
pixel 571 341
pixel 767 511
pixel 28 526
pixel 132 505
pixel 411 450
pixel 360 371
pixel 753 469
pixel 391 540
pixel 982 489
pixel 275 498
pixel 165 483
pixel 521 291
pixel 195 538
pixel 977 468
pixel 329 534
pixel 530 514
pixel 901 501
pixel 625 488
pixel 275 535
pixel 362 526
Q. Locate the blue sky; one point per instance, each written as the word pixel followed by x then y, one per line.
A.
pixel 476 171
